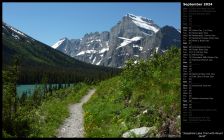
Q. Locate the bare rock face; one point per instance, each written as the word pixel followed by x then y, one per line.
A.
pixel 132 37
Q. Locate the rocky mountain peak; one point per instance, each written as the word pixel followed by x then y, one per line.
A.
pixel 132 37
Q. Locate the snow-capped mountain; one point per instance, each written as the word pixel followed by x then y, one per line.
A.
pixel 91 48
pixel 132 37
pixel 144 23
pixel 58 43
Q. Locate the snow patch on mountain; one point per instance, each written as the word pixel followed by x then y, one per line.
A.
pixel 58 43
pixel 140 21
pixel 17 31
pixel 94 60
pixel 104 50
pixel 128 41
pixel 95 40
pixel 87 51
pixel 91 57
pixel 81 53
pixel 98 63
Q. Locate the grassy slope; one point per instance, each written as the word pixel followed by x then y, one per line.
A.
pixel 47 118
pixel 118 104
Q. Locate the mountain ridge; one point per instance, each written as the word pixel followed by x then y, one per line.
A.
pixel 132 37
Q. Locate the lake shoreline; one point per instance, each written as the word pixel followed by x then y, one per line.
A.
pixel 29 89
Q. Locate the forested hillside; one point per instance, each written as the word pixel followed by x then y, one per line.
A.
pixel 36 60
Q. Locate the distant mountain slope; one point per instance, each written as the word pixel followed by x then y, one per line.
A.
pixel 38 59
pixel 132 37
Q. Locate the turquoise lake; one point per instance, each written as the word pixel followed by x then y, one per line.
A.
pixel 29 89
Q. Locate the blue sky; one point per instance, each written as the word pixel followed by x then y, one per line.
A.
pixel 49 22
